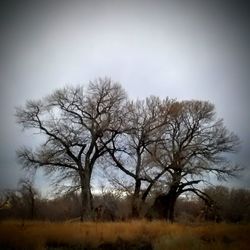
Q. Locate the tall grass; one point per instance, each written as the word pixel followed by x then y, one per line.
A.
pixel 156 235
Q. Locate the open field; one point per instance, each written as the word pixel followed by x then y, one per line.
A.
pixel 145 235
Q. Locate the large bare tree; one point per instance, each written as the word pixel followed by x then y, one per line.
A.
pixel 73 121
pixel 193 146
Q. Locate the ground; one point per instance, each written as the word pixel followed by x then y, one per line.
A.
pixel 156 235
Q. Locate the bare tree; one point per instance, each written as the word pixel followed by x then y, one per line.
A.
pixel 192 146
pixel 73 121
pixel 141 126
pixel 29 194
pixel 4 201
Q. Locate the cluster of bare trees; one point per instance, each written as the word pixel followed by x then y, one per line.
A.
pixel 20 203
pixel 232 205
pixel 142 144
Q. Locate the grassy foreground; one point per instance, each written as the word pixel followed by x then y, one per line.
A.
pixel 157 235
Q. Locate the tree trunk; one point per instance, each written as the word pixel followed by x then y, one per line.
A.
pixel 171 207
pixel 32 215
pixel 135 200
pixel 86 196
pixel 163 207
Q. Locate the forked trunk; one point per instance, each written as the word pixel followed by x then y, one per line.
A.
pixel 163 207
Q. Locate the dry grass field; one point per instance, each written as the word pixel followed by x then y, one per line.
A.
pixel 157 235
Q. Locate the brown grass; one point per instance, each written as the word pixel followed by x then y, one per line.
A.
pixel 156 235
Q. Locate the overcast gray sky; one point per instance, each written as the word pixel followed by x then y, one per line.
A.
pixel 182 49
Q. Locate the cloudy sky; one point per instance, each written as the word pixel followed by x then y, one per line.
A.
pixel 186 49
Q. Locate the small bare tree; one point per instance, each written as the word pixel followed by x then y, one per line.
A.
pixel 4 201
pixel 29 195
pixel 73 122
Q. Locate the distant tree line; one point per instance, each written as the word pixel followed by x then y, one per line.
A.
pixel 141 145
pixel 230 205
